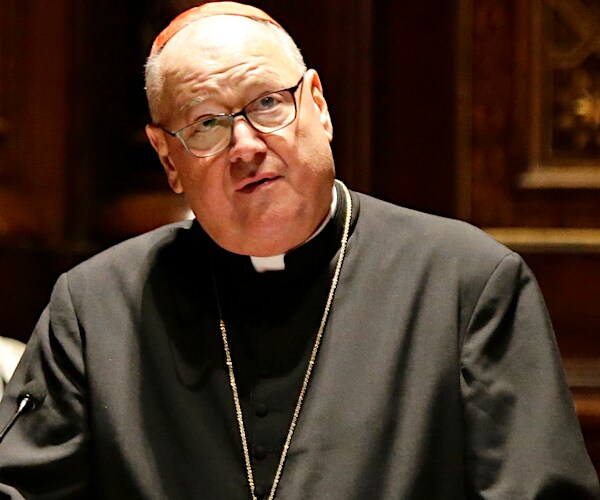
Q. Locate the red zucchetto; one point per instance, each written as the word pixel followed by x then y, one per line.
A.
pixel 206 10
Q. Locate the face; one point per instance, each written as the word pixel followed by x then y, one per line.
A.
pixel 266 193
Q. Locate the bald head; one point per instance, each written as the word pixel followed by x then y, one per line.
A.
pixel 213 38
pixel 207 10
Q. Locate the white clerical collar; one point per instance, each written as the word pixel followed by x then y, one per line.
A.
pixel 277 262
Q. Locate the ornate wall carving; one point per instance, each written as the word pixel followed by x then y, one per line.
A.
pixel 565 143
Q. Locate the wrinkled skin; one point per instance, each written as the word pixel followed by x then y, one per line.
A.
pixel 266 193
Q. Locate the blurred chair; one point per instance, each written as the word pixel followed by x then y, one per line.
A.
pixel 10 354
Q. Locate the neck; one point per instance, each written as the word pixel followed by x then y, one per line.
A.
pixel 277 262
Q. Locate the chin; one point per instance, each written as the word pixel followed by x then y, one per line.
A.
pixel 273 232
pixel 265 243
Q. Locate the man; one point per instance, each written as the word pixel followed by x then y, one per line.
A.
pixel 297 340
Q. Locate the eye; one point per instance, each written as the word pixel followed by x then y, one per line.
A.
pixel 206 124
pixel 268 102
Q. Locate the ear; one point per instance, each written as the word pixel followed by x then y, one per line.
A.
pixel 320 102
pixel 157 138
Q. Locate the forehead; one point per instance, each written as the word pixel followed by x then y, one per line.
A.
pixel 220 55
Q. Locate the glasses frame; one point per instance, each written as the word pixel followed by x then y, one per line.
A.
pixel 232 116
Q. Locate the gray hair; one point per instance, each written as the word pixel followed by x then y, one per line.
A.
pixel 155 77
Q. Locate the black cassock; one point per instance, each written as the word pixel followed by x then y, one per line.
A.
pixel 438 376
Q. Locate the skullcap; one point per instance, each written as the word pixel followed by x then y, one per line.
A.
pixel 207 10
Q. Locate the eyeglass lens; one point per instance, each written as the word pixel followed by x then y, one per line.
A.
pixel 268 113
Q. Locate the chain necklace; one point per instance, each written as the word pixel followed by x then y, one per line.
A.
pixel 309 369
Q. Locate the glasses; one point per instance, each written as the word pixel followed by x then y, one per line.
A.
pixel 211 135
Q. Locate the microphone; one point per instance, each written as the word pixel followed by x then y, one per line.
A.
pixel 30 399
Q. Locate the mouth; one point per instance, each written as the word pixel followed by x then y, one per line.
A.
pixel 252 185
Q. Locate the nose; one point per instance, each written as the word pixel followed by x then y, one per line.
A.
pixel 246 142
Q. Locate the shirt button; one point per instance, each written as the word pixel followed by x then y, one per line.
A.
pixel 260 491
pixel 260 452
pixel 260 410
pixel 264 371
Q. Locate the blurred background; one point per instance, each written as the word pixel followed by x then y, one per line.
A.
pixel 483 110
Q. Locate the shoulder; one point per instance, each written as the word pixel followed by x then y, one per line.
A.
pixel 426 235
pixel 140 247
pixel 448 261
pixel 129 262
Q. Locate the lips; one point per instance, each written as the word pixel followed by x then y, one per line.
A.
pixel 252 184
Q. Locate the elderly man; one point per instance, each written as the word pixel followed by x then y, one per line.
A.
pixel 296 340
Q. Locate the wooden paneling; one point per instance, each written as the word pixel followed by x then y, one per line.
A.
pixel 414 52
pixel 529 161
pixel 32 109
pixel 526 159
pixel 508 147
pixel 38 137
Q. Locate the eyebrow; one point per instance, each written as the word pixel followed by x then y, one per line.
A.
pixel 258 82
pixel 193 102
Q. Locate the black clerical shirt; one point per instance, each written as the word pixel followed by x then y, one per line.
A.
pixel 272 319
pixel 438 376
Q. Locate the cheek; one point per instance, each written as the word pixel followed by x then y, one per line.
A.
pixel 306 146
pixel 203 184
pixel 314 150
pixel 194 173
